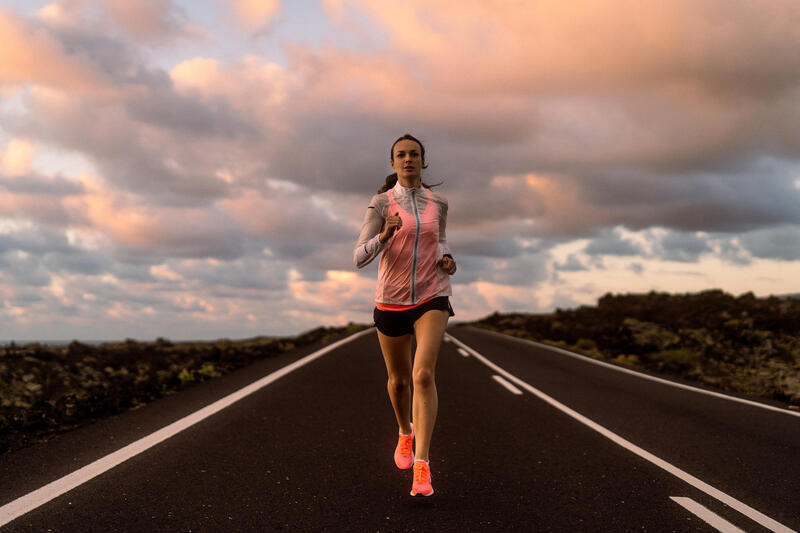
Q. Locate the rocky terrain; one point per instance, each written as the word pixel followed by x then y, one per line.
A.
pixel 46 390
pixel 738 344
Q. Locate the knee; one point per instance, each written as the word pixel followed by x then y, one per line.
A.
pixel 399 383
pixel 423 378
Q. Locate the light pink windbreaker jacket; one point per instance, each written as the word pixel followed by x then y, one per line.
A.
pixel 408 272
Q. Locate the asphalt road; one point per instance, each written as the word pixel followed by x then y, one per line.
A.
pixel 312 451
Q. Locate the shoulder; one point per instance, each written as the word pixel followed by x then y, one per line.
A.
pixel 438 197
pixel 379 201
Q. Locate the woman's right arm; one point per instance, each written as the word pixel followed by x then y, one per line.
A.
pixel 369 245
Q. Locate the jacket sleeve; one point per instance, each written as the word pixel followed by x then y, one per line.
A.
pixel 443 248
pixel 369 245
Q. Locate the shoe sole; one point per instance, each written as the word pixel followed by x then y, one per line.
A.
pixel 413 493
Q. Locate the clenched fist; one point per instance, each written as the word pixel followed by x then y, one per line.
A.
pixel 393 223
pixel 448 264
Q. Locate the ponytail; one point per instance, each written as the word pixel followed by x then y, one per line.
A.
pixel 391 181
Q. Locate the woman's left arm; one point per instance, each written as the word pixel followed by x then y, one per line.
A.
pixel 447 263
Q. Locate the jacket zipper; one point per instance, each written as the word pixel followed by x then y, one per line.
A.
pixel 416 248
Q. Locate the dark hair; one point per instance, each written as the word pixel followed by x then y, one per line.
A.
pixel 391 179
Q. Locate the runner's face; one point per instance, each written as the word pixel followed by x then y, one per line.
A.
pixel 407 160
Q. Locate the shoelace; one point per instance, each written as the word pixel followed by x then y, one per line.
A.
pixel 421 472
pixel 405 444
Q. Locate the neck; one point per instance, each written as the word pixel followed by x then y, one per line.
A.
pixel 410 183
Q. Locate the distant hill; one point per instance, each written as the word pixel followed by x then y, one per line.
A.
pixel 740 344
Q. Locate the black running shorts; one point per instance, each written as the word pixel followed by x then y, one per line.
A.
pixel 399 323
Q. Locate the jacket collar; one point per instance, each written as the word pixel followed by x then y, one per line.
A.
pixel 404 192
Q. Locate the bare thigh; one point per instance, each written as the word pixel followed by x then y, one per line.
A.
pixel 429 330
pixel 396 355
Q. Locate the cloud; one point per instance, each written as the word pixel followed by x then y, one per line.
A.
pixel 17 157
pixel 162 156
pixel 658 243
pixel 612 244
pixel 32 54
pixel 246 273
pixel 78 261
pixel 636 268
pixel 685 247
pixel 248 85
pixel 32 240
pixel 503 197
pixel 19 268
pixel 730 250
pixel 577 142
pixel 255 14
pixel 543 46
pixel 572 264
pixel 340 291
pixel 782 243
pixel 48 210
pixel 41 185
pixel 152 21
pixel 637 109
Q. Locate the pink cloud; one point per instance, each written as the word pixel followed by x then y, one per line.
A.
pixel 339 293
pixel 30 54
pixel 250 85
pixel 50 211
pixel 154 21
pixel 502 46
pixel 17 157
pixel 255 14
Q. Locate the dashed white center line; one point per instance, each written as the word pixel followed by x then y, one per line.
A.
pixel 706 515
pixel 463 352
pixel 506 384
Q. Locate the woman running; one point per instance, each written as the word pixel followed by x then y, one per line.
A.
pixel 405 223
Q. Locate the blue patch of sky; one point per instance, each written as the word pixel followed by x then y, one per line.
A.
pixel 25 6
pixel 303 22
pixel 13 103
pixel 10 104
pixel 300 22
pixel 53 161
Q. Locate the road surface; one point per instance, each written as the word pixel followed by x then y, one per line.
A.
pixel 527 439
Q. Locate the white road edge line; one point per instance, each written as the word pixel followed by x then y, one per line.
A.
pixel 463 352
pixel 506 384
pixel 706 515
pixel 32 500
pixel 730 501
pixel 647 376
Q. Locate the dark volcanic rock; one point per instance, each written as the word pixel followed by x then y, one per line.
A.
pixel 46 390
pixel 742 344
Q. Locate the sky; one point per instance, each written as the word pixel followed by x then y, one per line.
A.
pixel 200 169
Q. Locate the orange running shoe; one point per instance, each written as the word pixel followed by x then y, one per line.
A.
pixel 403 456
pixel 422 479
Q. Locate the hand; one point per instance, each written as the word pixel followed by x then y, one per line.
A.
pixel 448 264
pixel 393 223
